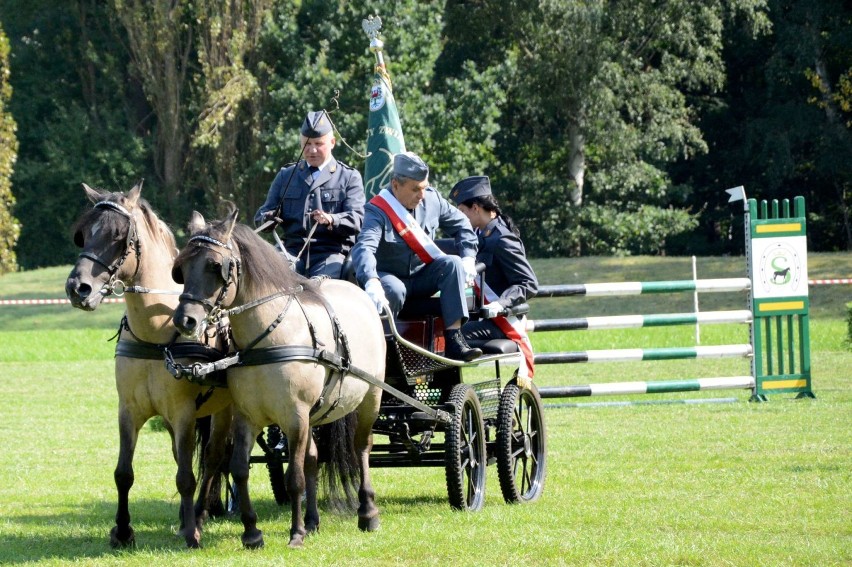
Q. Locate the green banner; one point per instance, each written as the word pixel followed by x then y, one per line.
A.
pixel 384 134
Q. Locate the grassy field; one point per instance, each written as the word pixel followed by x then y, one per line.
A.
pixel 710 484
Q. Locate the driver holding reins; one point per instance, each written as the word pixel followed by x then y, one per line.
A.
pixel 318 201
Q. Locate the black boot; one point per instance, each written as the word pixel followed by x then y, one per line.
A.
pixel 457 348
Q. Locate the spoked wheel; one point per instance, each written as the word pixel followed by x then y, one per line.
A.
pixel 521 444
pixel 465 450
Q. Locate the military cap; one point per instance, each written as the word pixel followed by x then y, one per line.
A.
pixel 409 164
pixel 470 187
pixel 316 124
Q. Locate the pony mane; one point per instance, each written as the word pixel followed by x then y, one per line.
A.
pixel 264 269
pixel 118 227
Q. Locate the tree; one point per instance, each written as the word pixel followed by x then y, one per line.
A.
pixel 9 227
pixel 79 119
pixel 159 38
pixel 780 128
pixel 225 145
pixel 315 49
pixel 605 100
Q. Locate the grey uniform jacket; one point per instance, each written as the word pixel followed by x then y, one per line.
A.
pixel 339 190
pixel 507 271
pixel 380 249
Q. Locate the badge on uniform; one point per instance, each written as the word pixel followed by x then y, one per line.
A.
pixel 487 233
pixel 326 196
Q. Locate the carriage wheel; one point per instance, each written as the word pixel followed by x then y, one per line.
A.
pixel 275 450
pixel 521 444
pixel 465 450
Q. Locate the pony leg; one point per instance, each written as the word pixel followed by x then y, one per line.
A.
pixel 312 518
pixel 244 436
pixel 368 512
pixel 298 437
pixel 185 480
pixel 122 534
pixel 213 455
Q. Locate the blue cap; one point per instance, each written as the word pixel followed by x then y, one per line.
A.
pixel 316 124
pixel 409 164
pixel 470 187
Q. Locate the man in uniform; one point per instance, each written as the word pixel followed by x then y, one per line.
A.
pixel 318 194
pixel 395 256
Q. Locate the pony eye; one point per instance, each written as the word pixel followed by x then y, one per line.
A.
pixel 213 267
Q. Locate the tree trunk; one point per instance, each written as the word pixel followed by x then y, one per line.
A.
pixel 576 165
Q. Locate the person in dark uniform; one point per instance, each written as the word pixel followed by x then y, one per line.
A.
pixel 318 194
pixel 396 258
pixel 508 275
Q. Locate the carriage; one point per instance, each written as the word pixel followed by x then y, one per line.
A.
pixel 430 410
pixel 438 412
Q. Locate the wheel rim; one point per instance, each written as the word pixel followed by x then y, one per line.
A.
pixel 465 450
pixel 472 438
pixel 526 449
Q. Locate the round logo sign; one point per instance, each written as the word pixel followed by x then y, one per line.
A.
pixel 780 267
pixel 377 97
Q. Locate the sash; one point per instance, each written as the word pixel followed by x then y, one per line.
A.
pixel 514 329
pixel 407 226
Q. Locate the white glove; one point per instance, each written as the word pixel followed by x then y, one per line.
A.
pixel 469 264
pixel 377 294
pixel 492 309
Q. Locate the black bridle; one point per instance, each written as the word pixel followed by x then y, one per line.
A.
pixel 230 264
pixel 131 243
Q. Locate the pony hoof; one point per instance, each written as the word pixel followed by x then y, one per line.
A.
pixel 369 524
pixel 193 540
pixel 296 541
pixel 311 529
pixel 122 540
pixel 253 541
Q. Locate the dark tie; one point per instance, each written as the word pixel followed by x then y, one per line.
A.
pixel 313 169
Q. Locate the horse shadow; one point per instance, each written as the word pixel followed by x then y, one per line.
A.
pixel 84 534
pixel 46 533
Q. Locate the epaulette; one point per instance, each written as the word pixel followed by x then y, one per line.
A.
pixel 499 228
pixel 345 165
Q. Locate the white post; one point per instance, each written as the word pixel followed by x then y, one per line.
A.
pixel 695 301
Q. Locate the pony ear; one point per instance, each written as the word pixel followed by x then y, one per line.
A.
pixel 133 195
pixel 93 195
pixel 196 223
pixel 232 217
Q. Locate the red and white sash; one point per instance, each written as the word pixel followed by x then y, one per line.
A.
pixel 407 226
pixel 514 328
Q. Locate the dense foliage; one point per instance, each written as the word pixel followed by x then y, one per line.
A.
pixel 9 228
pixel 606 127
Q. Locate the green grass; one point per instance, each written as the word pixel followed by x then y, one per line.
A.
pixel 714 484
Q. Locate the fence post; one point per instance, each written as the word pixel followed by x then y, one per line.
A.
pixel 776 252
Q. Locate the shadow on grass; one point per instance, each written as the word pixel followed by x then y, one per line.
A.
pixel 85 535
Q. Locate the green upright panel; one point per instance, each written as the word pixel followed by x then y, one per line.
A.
pixel 778 269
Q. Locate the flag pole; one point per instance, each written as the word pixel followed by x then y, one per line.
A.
pixel 384 130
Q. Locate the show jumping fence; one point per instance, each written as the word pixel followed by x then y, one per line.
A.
pixel 777 315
